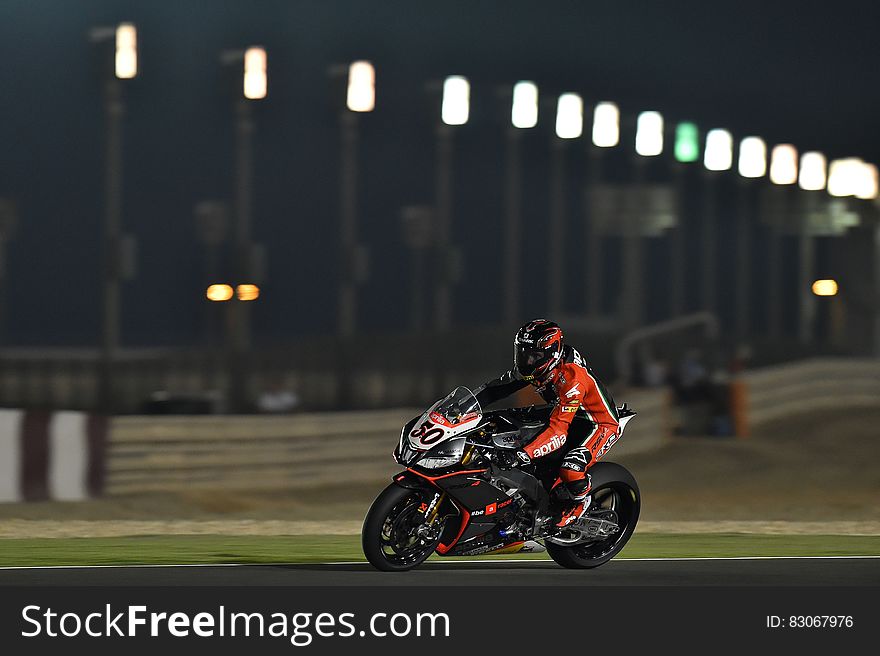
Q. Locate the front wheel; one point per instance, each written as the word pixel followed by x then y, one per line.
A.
pixel 614 490
pixel 394 535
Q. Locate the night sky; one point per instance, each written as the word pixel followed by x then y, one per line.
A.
pixel 798 72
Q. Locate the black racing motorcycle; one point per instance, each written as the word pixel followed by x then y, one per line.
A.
pixel 464 492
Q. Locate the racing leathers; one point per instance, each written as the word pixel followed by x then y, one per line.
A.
pixel 569 386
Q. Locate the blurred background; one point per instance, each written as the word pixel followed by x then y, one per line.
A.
pixel 288 225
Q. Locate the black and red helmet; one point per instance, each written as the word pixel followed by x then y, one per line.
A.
pixel 537 349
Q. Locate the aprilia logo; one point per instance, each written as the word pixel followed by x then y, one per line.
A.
pixel 555 442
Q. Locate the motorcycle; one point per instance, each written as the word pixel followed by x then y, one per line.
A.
pixel 464 491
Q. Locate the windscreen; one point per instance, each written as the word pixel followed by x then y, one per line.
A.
pixel 459 407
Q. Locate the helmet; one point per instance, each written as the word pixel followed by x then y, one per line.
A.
pixel 537 349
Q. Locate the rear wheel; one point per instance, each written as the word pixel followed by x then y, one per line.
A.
pixel 395 536
pixel 615 494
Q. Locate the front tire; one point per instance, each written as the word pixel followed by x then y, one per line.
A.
pixel 614 488
pixel 389 535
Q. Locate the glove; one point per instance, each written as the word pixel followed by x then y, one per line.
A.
pixel 523 457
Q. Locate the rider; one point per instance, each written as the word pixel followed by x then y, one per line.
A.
pixel 563 379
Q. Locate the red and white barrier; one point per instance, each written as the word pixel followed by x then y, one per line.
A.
pixel 51 455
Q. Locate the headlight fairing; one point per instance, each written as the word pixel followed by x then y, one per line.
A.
pixel 445 454
pixel 404 454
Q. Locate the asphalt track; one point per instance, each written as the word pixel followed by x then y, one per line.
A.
pixel 832 571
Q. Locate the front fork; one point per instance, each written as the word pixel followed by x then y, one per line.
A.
pixel 433 508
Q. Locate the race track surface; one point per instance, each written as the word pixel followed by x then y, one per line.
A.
pixel 856 571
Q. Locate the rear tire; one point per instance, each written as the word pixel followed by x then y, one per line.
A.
pixel 613 486
pixel 388 535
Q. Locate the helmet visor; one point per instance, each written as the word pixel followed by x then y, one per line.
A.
pixel 528 360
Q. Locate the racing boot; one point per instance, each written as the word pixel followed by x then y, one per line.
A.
pixel 575 512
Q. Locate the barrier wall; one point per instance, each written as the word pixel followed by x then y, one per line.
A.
pixel 69 455
pixel 808 386
pixel 161 454
pixel 158 454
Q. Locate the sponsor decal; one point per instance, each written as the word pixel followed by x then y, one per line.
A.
pixel 570 408
pixel 505 503
pixel 477 513
pixel 574 391
pixel 491 508
pixel 555 442
pixel 608 445
pixel 482 550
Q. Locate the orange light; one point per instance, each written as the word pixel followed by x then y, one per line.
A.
pixel 219 293
pixel 248 292
pixel 825 288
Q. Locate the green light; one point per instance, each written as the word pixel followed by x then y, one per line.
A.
pixel 687 142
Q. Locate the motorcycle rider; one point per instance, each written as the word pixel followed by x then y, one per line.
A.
pixel 563 378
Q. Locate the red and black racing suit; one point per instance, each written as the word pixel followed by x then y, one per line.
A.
pixel 569 386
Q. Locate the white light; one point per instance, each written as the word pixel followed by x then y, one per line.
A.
pixel 524 112
pixel 361 96
pixel 784 164
pixel 649 134
pixel 126 51
pixel 812 174
pixel 255 73
pixel 852 177
pixel 606 125
pixel 569 116
pixel 843 176
pixel 718 155
pixel 752 157
pixel 866 187
pixel 456 100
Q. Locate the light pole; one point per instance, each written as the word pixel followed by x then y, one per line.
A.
pixel 853 177
pixel 717 157
pixel 784 172
pixel 8 219
pixel 811 178
pixel 247 256
pixel 416 222
pixel 569 125
pixel 752 164
pixel 605 134
pixel 454 111
pixel 360 98
pixel 212 218
pixel 649 143
pixel 118 249
pixel 523 116
pixel 686 150
pixel 876 290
